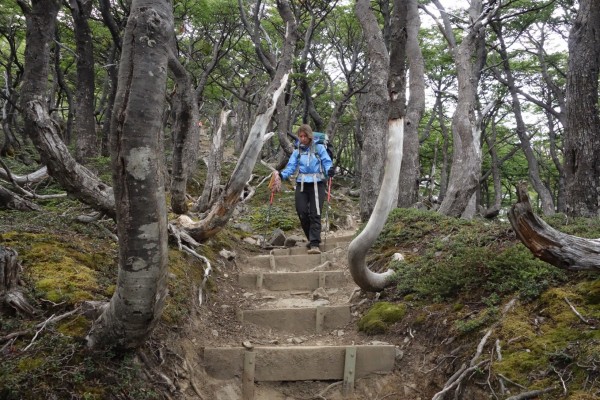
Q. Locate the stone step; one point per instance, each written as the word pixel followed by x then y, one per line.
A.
pixel 292 263
pixel 279 281
pixel 299 320
pixel 299 363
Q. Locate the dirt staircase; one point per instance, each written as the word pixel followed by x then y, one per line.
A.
pixel 307 297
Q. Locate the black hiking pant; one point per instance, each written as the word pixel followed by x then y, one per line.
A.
pixel 306 207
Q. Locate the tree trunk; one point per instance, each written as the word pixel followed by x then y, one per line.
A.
pixel 466 158
pixel 223 209
pixel 388 196
pixel 85 123
pixel 546 243
pixel 582 130
pixel 366 279
pixel 186 133
pixel 376 110
pixel 408 193
pixel 137 161
pixel 547 203
pixel 44 132
pixel 212 182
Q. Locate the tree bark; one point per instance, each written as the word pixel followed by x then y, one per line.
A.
pixel 388 196
pixel 466 158
pixel 137 162
pixel 212 182
pixel 85 124
pixel 376 103
pixel 11 201
pixel 408 193
pixel 366 279
pixel 546 243
pixel 582 130
pixel 186 132
pixel 44 132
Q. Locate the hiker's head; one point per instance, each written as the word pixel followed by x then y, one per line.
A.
pixel 305 134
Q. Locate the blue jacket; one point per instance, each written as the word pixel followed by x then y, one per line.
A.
pixel 308 163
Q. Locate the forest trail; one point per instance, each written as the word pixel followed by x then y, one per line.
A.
pixel 300 339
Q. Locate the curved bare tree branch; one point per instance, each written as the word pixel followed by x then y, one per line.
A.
pixel 366 279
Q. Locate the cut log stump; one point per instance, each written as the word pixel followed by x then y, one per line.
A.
pixel 10 293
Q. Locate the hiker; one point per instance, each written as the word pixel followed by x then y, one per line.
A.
pixel 314 167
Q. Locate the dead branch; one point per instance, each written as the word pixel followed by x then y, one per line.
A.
pixel 37 333
pixel 584 320
pixel 34 177
pixel 531 394
pixel 511 382
pixel 12 201
pixel 457 379
pixel 548 244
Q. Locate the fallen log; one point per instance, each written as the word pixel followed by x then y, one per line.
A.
pixel 548 244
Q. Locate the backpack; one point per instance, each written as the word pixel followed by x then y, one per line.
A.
pixel 322 138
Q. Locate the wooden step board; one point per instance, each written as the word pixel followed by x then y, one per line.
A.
pixel 299 363
pixel 299 250
pixel 299 320
pixel 292 280
pixel 296 263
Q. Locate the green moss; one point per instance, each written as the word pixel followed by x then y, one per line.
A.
pixel 579 395
pixel 381 316
pixel 590 291
pixel 59 269
pixel 28 364
pixel 76 327
pixel 186 275
pixel 485 317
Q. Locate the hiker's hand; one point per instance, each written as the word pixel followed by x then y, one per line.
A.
pixel 331 172
pixel 275 182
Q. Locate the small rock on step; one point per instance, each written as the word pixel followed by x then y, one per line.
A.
pixel 320 293
pixel 228 255
pixel 277 238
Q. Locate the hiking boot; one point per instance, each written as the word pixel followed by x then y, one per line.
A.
pixel 314 250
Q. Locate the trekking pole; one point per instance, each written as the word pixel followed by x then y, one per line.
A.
pixel 327 210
